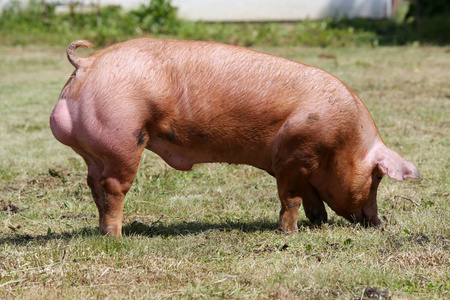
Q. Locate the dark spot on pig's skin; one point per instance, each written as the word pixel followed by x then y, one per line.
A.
pixel 312 117
pixel 264 112
pixel 141 137
pixel 170 136
pixel 275 122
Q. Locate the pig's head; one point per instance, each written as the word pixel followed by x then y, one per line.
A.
pixel 351 190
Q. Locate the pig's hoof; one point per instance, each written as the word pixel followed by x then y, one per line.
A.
pixel 318 220
pixel 316 217
pixel 111 231
pixel 287 229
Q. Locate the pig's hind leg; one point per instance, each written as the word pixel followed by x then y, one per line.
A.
pixel 110 176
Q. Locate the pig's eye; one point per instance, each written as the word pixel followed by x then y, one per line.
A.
pixel 379 177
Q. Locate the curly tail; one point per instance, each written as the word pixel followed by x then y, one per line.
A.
pixel 76 61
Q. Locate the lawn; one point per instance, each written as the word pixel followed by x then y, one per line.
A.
pixel 211 232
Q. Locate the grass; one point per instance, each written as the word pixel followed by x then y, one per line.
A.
pixel 210 233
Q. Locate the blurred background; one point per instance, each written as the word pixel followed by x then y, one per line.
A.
pixel 323 23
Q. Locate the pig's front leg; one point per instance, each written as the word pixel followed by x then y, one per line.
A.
pixel 293 163
pixel 290 203
pixel 289 193
pixel 292 195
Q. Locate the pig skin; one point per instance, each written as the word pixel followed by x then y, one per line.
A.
pixel 197 102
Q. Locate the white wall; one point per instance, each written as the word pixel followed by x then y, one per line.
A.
pixel 280 10
pixel 264 10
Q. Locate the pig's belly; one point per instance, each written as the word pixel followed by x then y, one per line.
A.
pixel 178 157
pixel 183 157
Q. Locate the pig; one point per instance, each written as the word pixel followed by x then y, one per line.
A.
pixel 194 102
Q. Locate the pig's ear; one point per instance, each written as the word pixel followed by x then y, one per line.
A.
pixel 392 164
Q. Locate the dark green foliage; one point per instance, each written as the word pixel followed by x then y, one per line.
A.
pixel 428 8
pixel 158 17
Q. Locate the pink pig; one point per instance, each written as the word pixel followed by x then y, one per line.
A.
pixel 197 102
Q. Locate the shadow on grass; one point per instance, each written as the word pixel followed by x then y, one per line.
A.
pixel 187 228
pixel 158 229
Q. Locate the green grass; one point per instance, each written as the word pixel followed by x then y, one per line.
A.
pixel 210 233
